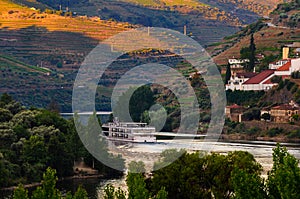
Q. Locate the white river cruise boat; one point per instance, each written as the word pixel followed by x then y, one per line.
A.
pixel 129 132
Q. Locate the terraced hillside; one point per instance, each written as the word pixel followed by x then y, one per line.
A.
pixel 50 40
pixel 40 53
pixel 206 23
pixel 262 8
pixel 270 35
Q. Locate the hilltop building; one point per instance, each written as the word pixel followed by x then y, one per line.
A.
pixel 262 81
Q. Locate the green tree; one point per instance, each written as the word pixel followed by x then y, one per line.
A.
pixel 136 186
pixel 20 193
pixel 228 73
pixel 48 188
pixel 34 157
pixel 284 178
pixel 249 53
pixel 139 100
pixel 4 172
pixel 80 193
pixel 5 99
pixel 252 58
pixel 111 193
pixel 136 182
pixel 120 194
pixel 5 115
pixel 184 178
pixel 26 118
pixel 247 185
pixel 162 194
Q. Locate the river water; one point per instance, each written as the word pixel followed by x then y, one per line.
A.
pixel 262 151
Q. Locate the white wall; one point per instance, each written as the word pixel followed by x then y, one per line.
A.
pixel 295 66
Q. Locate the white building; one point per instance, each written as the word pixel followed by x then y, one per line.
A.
pixel 236 80
pixel 262 81
pixel 237 63
pixel 278 64
pixel 295 65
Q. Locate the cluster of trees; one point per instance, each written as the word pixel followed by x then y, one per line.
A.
pixel 58 12
pixel 32 140
pixel 249 53
pixel 244 97
pixel 194 175
pixel 137 186
pixel 140 101
pixel 48 190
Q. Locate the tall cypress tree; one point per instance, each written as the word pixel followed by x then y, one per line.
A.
pixel 228 73
pixel 252 49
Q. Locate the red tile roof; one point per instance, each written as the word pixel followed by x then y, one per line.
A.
pixel 234 106
pixel 259 77
pixel 285 107
pixel 285 67
pixel 268 81
pixel 246 75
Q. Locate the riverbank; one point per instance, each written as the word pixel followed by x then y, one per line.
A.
pixel 239 137
pixel 35 184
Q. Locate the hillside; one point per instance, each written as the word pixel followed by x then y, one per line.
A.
pixel 206 21
pixel 45 39
pixel 270 35
pixel 32 40
pixel 262 8
pixel 32 43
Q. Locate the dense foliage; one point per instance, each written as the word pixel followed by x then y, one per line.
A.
pixel 32 140
pixel 244 97
pixel 48 189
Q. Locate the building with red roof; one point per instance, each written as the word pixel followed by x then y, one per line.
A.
pixel 261 81
pixel 234 112
pixel 284 69
pixel 236 80
pixel 278 64
pixel 284 113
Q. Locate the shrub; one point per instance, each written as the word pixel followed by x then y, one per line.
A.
pixel 275 131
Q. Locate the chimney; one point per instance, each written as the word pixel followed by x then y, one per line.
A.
pixel 285 52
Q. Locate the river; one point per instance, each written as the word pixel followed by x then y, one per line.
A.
pixel 262 151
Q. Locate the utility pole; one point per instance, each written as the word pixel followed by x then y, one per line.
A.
pixel 184 29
